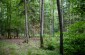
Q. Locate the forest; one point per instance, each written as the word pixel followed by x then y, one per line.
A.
pixel 42 27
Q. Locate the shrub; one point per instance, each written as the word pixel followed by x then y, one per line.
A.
pixel 50 43
pixel 74 43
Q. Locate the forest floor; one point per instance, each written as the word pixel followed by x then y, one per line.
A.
pixel 17 47
pixel 32 41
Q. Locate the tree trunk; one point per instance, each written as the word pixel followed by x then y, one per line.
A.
pixel 9 20
pixel 26 21
pixel 41 22
pixel 61 26
pixel 52 18
pixel 52 14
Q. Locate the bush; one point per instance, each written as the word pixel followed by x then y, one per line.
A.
pixel 50 43
pixel 74 43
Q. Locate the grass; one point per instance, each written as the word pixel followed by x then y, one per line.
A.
pixel 10 49
pixel 35 51
pixel 7 48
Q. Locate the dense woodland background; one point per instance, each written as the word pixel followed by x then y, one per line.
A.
pixel 38 22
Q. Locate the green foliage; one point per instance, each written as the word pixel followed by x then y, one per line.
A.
pixel 14 49
pixel 12 15
pixel 74 43
pixel 77 28
pixel 42 52
pixel 7 48
pixel 50 43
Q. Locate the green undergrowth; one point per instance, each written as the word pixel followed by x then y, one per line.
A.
pixel 35 51
pixel 74 40
pixel 14 49
pixel 8 49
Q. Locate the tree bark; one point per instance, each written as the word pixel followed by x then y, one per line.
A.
pixel 41 22
pixel 61 26
pixel 53 19
pixel 9 20
pixel 26 21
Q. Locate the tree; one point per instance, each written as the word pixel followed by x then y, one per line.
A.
pixel 61 26
pixel 26 21
pixel 41 22
pixel 52 18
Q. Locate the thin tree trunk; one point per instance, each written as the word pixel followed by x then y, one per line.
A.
pixel 61 26
pixel 1 32
pixel 26 21
pixel 41 22
pixel 9 20
pixel 50 18
pixel 53 19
